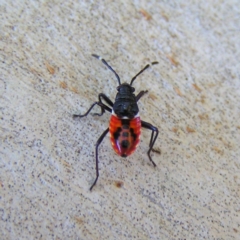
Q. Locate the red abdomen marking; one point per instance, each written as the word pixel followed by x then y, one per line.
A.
pixel 124 134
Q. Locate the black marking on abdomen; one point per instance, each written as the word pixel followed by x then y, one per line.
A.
pixel 117 133
pixel 133 134
pixel 125 134
pixel 125 123
pixel 125 144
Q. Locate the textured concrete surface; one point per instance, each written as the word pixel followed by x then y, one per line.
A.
pixel 47 157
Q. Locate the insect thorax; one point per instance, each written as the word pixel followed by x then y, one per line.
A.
pixel 125 104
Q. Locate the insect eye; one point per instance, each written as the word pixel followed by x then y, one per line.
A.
pixel 133 89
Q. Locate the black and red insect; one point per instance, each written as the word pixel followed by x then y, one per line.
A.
pixel 125 123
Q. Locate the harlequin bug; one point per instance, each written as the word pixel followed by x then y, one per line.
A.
pixel 125 124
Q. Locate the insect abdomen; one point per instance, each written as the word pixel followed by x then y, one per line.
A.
pixel 124 134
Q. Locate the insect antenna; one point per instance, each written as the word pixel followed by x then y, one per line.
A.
pixel 109 67
pixel 146 67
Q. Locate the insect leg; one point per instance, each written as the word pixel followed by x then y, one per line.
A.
pixel 107 100
pixel 99 103
pixel 102 95
pixel 154 136
pixel 97 145
pixel 140 95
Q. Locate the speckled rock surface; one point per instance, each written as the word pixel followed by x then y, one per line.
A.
pixel 47 158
